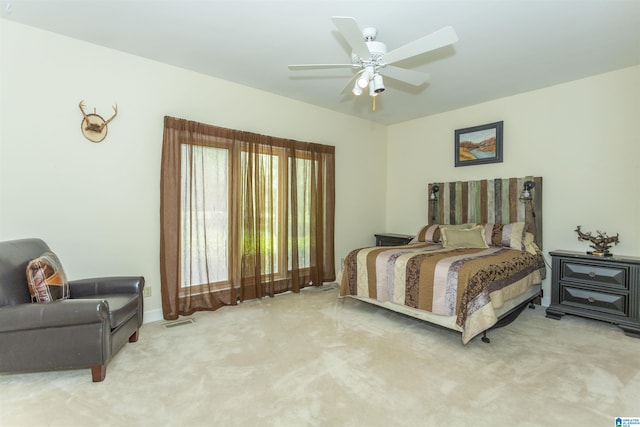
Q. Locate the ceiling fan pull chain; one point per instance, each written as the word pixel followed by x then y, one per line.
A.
pixel 374 103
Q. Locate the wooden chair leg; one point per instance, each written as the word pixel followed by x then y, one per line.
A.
pixel 98 373
pixel 134 336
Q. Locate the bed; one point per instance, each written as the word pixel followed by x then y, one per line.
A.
pixel 474 265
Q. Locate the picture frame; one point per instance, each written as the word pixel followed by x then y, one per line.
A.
pixel 479 145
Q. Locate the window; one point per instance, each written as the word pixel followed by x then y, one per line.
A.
pixel 204 215
pixel 302 211
pixel 242 216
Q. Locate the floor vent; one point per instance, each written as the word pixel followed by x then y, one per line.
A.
pixel 177 323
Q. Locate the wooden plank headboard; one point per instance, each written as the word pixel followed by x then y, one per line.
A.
pixel 488 201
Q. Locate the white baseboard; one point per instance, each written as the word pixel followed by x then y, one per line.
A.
pixel 152 316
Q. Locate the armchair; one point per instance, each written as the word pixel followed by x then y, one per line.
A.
pixel 84 331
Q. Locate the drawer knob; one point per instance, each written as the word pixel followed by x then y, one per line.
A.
pixel 591 299
pixel 592 274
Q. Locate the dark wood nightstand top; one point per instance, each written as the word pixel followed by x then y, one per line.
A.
pixel 392 239
pixel 400 236
pixel 584 255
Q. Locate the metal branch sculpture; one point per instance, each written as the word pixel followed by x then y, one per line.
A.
pixel 601 242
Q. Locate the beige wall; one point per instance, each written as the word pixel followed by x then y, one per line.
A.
pixel 97 204
pixel 582 137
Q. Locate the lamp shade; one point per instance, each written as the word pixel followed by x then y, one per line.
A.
pixel 378 84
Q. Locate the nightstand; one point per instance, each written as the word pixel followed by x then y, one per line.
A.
pixel 600 288
pixel 390 239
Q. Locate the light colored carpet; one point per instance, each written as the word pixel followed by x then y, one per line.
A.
pixel 308 360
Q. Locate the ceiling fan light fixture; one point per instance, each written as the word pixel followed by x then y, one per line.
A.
pixel 363 80
pixel 357 90
pixel 378 84
pixel 372 91
pixel 365 77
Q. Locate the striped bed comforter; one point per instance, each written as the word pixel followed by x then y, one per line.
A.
pixel 456 282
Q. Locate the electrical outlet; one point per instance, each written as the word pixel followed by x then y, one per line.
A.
pixel 146 291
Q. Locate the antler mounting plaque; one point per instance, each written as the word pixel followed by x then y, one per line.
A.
pixel 93 126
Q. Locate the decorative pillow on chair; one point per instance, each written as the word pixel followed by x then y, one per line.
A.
pixel 461 238
pixel 506 235
pixel 46 279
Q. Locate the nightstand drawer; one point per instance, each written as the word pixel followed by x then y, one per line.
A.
pixel 610 276
pixel 591 300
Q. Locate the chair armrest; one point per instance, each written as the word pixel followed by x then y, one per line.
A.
pixel 54 314
pixel 106 285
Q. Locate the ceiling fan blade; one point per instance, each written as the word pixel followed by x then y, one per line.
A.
pixel 349 29
pixel 318 66
pixel 415 78
pixel 433 41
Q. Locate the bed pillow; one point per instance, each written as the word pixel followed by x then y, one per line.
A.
pixel 464 238
pixel 465 226
pixel 506 235
pixel 431 233
pixel 46 279
pixel 530 244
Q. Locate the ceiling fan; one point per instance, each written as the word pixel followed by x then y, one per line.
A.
pixel 373 60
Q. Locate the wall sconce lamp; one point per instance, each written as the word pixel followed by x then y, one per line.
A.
pixel 525 195
pixel 433 201
pixel 433 196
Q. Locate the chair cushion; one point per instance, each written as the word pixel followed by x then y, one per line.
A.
pixel 121 307
pixel 46 279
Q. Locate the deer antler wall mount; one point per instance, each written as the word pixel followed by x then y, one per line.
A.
pixel 93 126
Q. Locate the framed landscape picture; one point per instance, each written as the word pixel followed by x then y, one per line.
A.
pixel 478 145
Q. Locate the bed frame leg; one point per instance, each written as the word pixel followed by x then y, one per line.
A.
pixel 485 339
pixel 531 305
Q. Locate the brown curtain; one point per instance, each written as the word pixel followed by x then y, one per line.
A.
pixel 242 216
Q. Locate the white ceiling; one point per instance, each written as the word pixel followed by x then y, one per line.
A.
pixel 505 47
